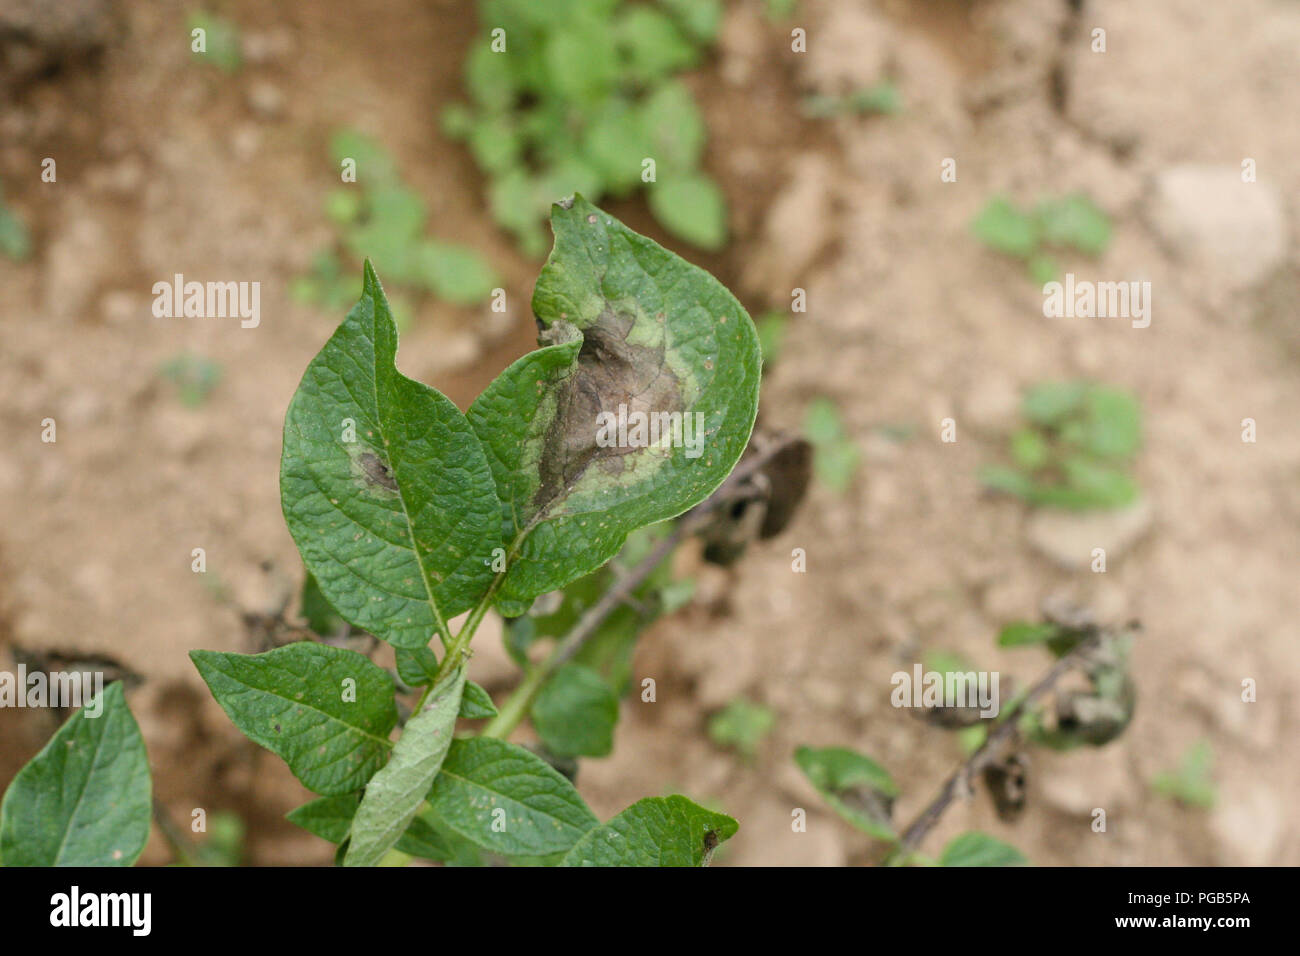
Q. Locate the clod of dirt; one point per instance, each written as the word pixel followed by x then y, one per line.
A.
pixel 1068 538
pixel 1218 224
pixel 39 36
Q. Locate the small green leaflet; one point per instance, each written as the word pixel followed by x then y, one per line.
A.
pixel 856 787
pixel 384 487
pixel 656 831
pixel 394 794
pixel 626 323
pixel 508 800
pixel 476 704
pixel 294 701
pixel 980 849
pixel 84 800
pixel 329 818
pixel 575 713
pixel 419 666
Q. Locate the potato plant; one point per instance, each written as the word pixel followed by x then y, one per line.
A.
pixel 408 514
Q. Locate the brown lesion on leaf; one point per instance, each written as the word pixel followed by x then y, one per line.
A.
pixel 611 371
pixel 375 472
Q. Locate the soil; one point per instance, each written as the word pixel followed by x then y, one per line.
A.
pixel 166 167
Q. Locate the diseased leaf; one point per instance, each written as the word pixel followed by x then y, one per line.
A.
pixel 625 323
pixel 395 792
pixel 326 711
pixel 656 831
pixel 575 713
pixel 84 800
pixel 508 800
pixel 385 488
pixel 856 787
pixel 980 849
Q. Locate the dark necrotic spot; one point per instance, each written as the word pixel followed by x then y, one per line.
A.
pixel 376 471
pixel 611 372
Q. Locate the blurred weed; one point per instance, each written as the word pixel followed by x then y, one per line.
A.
pixel 15 242
pixel 1071 222
pixel 193 375
pixel 1074 449
pixel 381 218
pixel 581 96
pixel 835 455
pixel 741 726
pixel 1191 782
pixel 883 98
pixel 221 46
pixel 772 327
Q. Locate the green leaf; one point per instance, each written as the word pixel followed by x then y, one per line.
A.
pixel 15 241
pixel 615 143
pixel 1029 449
pixel 1003 227
pixel 395 793
pixel 1075 221
pixel 539 810
pixel 691 207
pixel 625 322
pixel 656 831
pixel 374 166
pixel 699 18
pixel 1191 783
pixel 329 818
pixel 575 713
pixel 980 849
pixel 581 63
pixel 835 456
pixel 1101 486
pixel 1050 403
pixel 454 273
pixel 84 800
pixel 856 787
pixel 321 618
pixel 416 666
pixel 397 525
pixel 771 335
pixel 741 726
pixel 1007 480
pixel 1023 632
pixel 676 131
pixel 476 704
pixel 1114 422
pixel 652 45
pixel 326 711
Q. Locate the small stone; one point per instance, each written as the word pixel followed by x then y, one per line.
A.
pixel 991 406
pixel 266 100
pixel 1218 224
pixel 1248 830
pixel 1068 537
